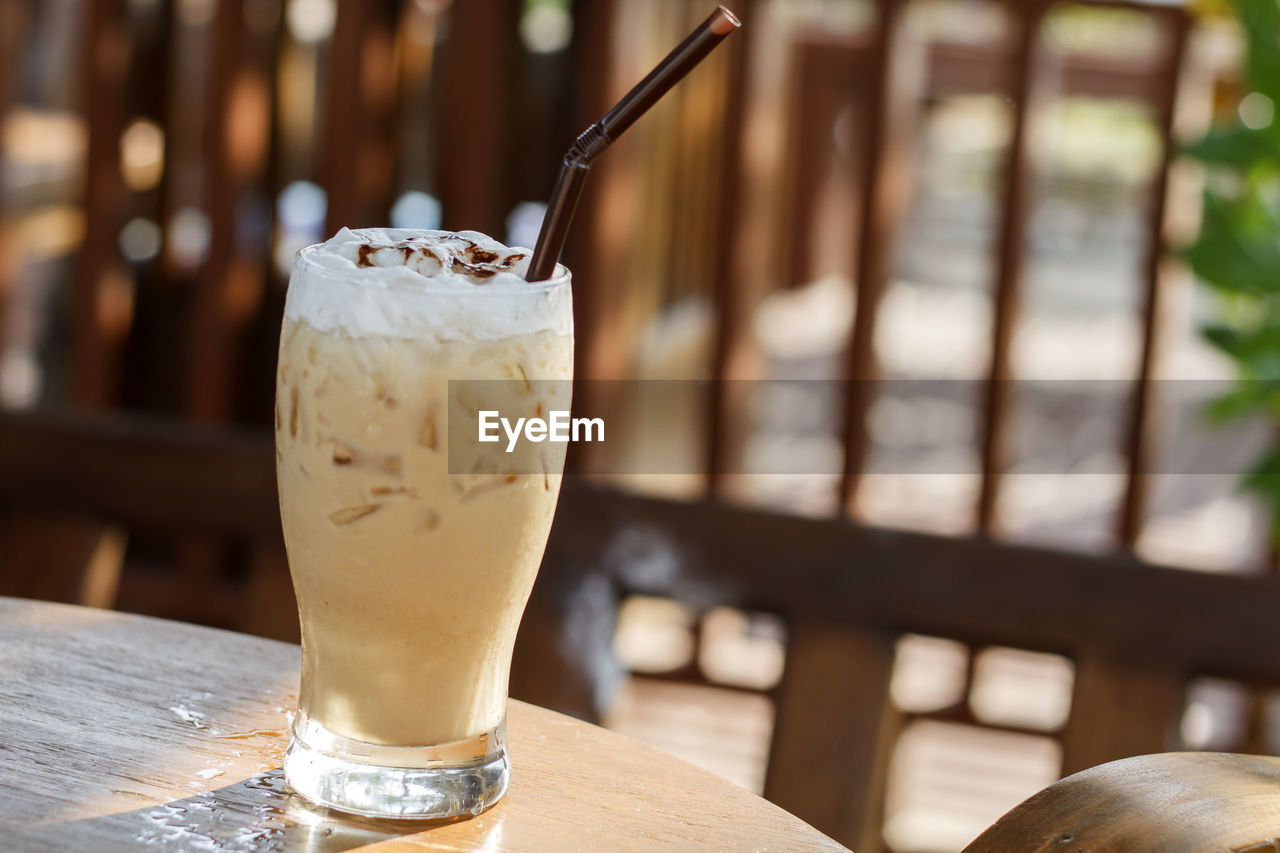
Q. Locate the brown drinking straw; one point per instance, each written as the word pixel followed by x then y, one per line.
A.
pixel 595 139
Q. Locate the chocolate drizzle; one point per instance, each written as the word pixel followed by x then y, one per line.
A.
pixel 461 256
pixel 472 271
pixel 475 255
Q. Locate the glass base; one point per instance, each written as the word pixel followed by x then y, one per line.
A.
pixel 408 782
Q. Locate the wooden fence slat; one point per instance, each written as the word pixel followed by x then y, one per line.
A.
pixel 474 131
pixel 360 115
pixel 79 559
pixel 13 23
pixel 208 374
pixel 963 68
pixel 825 69
pixel 103 303
pixel 1029 78
pixel 1138 439
pixel 341 119
pixel 883 179
pixel 236 154
pixel 594 247
pixel 732 287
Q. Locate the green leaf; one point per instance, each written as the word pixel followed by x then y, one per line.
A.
pixel 1253 210
pixel 1233 267
pixel 1244 344
pixel 1264 481
pixel 1226 338
pixel 1261 20
pixel 1246 398
pixel 1265 471
pixel 1238 250
pixel 1237 146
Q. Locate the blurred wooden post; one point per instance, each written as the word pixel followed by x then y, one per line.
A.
pixel 733 288
pixel 74 559
pixel 14 20
pixel 79 559
pixel 834 731
pixel 103 311
pixel 229 288
pixel 826 69
pixel 1029 81
pixel 1138 442
pixel 237 146
pixel 208 375
pixel 592 250
pixel 360 108
pixel 884 180
pixel 270 608
pixel 476 139
pixel 1119 710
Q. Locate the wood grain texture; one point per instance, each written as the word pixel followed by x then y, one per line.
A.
pixel 1184 802
pixel 120 732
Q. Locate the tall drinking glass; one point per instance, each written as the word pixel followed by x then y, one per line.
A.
pixel 411 573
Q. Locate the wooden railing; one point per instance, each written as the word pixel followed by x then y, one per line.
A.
pixel 1135 632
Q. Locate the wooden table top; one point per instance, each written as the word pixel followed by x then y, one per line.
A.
pixel 120 732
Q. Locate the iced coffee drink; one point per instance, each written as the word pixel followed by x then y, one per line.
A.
pixel 411 565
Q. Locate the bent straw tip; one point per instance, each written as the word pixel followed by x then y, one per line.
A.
pixel 723 21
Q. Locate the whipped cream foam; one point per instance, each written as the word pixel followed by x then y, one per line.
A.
pixel 417 283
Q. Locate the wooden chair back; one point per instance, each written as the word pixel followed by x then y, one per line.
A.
pixel 1170 803
pixel 75 488
pixel 1137 633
